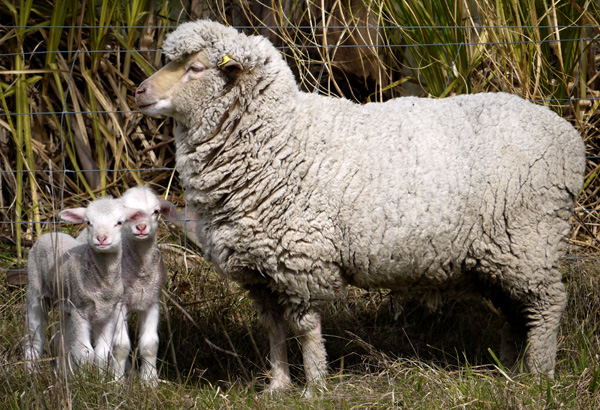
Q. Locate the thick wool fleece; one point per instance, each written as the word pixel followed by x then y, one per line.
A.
pixel 299 194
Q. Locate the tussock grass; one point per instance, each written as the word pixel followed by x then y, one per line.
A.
pixel 213 354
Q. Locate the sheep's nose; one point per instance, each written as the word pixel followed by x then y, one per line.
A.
pixel 140 90
pixel 101 239
pixel 141 227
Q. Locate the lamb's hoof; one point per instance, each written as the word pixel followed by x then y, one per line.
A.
pixel 151 382
pixel 149 378
pixel 278 387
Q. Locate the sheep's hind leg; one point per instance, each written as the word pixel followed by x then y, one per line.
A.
pixel 271 317
pixel 542 313
pixel 532 320
pixel 308 330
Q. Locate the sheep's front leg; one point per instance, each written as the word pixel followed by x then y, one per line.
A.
pixel 280 372
pixel 308 330
pixel 35 321
pixel 271 317
pixel 148 329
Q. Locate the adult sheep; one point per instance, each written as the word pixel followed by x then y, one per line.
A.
pixel 298 195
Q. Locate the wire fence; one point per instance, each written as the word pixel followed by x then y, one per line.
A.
pixel 64 184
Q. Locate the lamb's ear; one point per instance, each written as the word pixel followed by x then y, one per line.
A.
pixel 231 66
pixel 73 215
pixel 168 209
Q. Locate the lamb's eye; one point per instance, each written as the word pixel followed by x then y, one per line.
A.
pixel 156 212
pixel 119 223
pixel 88 223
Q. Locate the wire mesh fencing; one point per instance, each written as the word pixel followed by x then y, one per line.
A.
pixel 70 129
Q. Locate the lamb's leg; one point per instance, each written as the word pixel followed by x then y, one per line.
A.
pixel 35 322
pixel 148 329
pixel 271 317
pixel 543 312
pixel 78 339
pixel 308 331
pixel 121 345
pixel 112 342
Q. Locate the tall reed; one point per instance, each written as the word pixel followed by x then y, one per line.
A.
pixel 78 63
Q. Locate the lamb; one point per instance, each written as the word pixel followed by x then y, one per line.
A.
pixel 299 195
pixel 84 279
pixel 144 275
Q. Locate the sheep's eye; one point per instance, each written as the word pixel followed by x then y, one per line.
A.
pixel 156 212
pixel 119 223
pixel 88 223
pixel 196 68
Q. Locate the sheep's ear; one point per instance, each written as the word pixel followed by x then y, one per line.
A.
pixel 168 209
pixel 230 66
pixel 73 215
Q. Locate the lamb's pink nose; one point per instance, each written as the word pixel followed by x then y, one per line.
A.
pixel 140 90
pixel 101 239
pixel 141 227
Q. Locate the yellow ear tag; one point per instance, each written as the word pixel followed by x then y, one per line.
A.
pixel 225 60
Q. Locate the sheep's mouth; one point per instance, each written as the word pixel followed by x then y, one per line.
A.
pixel 144 106
pixel 140 235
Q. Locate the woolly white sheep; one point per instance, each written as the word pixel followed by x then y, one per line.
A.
pixel 298 194
pixel 84 279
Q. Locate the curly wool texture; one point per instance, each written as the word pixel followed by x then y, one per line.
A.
pixel 304 194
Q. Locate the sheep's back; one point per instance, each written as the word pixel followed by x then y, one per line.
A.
pixel 427 188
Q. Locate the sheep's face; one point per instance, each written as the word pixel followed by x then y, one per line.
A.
pixel 180 88
pixel 145 199
pixel 104 219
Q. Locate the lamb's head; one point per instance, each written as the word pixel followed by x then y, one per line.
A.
pixel 207 61
pixel 144 198
pixel 104 219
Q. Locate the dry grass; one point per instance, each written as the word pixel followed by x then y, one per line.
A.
pixel 213 353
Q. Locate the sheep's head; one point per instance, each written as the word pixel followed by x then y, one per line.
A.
pixel 207 59
pixel 145 199
pixel 181 87
pixel 104 219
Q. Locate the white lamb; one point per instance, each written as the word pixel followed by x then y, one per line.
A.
pixel 144 276
pixel 298 195
pixel 83 279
